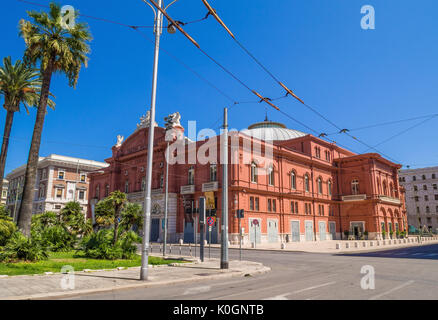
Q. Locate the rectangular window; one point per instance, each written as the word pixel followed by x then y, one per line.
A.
pixel 416 198
pixel 61 175
pixel 81 195
pixel 415 188
pixel 426 198
pixel 274 206
pixel 257 204
pixel 292 207
pixel 435 187
pixel 251 203
pixel 83 178
pixel 436 197
pixel 58 193
pixel 296 207
pixel 418 209
pixel 269 205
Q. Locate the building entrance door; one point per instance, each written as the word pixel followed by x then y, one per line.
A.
pixel 189 232
pixel 332 227
pixel 295 231
pixel 309 230
pixel 155 230
pixel 70 190
pixel 322 230
pixel 272 230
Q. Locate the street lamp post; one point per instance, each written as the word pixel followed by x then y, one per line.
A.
pixel 147 200
pixel 224 237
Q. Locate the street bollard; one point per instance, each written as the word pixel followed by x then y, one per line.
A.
pixel 170 248
pixel 160 248
pixel 180 248
pixel 190 249
pixel 151 247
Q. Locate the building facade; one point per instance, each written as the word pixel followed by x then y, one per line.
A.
pixel 298 188
pixel 421 197
pixel 60 179
pixel 4 195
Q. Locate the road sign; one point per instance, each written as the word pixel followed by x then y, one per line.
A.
pixel 210 221
pixel 255 222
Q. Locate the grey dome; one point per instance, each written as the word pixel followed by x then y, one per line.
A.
pixel 272 131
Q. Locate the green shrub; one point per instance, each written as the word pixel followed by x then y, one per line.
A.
pixel 99 245
pixel 7 229
pixel 20 247
pixel 55 238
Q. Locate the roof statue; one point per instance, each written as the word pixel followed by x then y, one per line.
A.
pixel 119 140
pixel 145 121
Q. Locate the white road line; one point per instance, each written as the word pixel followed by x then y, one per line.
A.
pixel 392 290
pixel 196 290
pixel 416 254
pixel 283 296
pixel 432 255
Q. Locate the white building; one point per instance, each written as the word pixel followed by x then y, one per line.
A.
pixel 60 179
pixel 421 196
pixel 4 194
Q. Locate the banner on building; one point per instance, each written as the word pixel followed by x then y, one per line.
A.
pixel 209 198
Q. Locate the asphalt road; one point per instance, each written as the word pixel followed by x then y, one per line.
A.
pixel 407 273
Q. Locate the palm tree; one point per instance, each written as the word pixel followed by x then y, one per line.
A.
pixel 57 48
pixel 118 200
pixel 19 84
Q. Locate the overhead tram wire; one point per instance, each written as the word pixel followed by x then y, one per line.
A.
pixel 263 99
pixel 213 12
pixel 404 131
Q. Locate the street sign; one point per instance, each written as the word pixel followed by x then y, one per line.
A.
pixel 255 222
pixel 209 228
pixel 210 221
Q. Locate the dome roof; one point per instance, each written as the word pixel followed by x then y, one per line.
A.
pixel 272 131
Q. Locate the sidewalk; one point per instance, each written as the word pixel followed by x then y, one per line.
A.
pixel 327 246
pixel 50 286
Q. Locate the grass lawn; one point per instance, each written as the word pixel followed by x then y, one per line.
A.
pixel 75 259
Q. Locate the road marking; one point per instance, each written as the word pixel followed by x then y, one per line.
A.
pixel 416 254
pixel 283 296
pixel 392 290
pixel 196 290
pixel 432 255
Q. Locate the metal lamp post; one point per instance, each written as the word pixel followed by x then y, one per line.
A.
pixel 147 201
pixel 224 237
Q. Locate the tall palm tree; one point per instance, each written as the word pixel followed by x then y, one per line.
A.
pixel 57 47
pixel 118 200
pixel 19 84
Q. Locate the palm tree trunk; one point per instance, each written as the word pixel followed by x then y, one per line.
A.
pixel 5 144
pixel 25 213
pixel 116 224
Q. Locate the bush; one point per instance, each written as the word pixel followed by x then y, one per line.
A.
pixel 7 227
pixel 20 247
pixel 99 245
pixel 55 238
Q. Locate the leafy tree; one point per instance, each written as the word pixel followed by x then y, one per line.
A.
pixel 118 200
pixel 104 213
pixel 19 84
pixel 7 226
pixel 73 217
pixel 132 215
pixel 57 48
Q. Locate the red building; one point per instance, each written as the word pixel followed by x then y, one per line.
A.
pixel 300 188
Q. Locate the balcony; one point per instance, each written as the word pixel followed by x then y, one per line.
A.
pixel 390 199
pixel 354 197
pixel 210 186
pixel 188 189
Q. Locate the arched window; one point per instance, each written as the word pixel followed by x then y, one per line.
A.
pixel 271 176
pixel 329 187
pixel 293 180
pixel 213 172
pixel 319 181
pixel 385 188
pixel 143 183
pixel 253 172
pixel 355 186
pixel 391 190
pixel 97 192
pixel 306 183
pixel 107 190
pixel 127 186
pixel 191 176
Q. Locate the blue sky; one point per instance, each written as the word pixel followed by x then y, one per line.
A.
pixel 354 77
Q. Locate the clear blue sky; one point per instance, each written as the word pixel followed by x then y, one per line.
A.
pixel 355 77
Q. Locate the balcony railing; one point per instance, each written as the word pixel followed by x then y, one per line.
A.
pixel 390 199
pixel 354 197
pixel 210 186
pixel 188 189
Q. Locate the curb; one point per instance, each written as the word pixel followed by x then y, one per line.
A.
pixel 43 296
